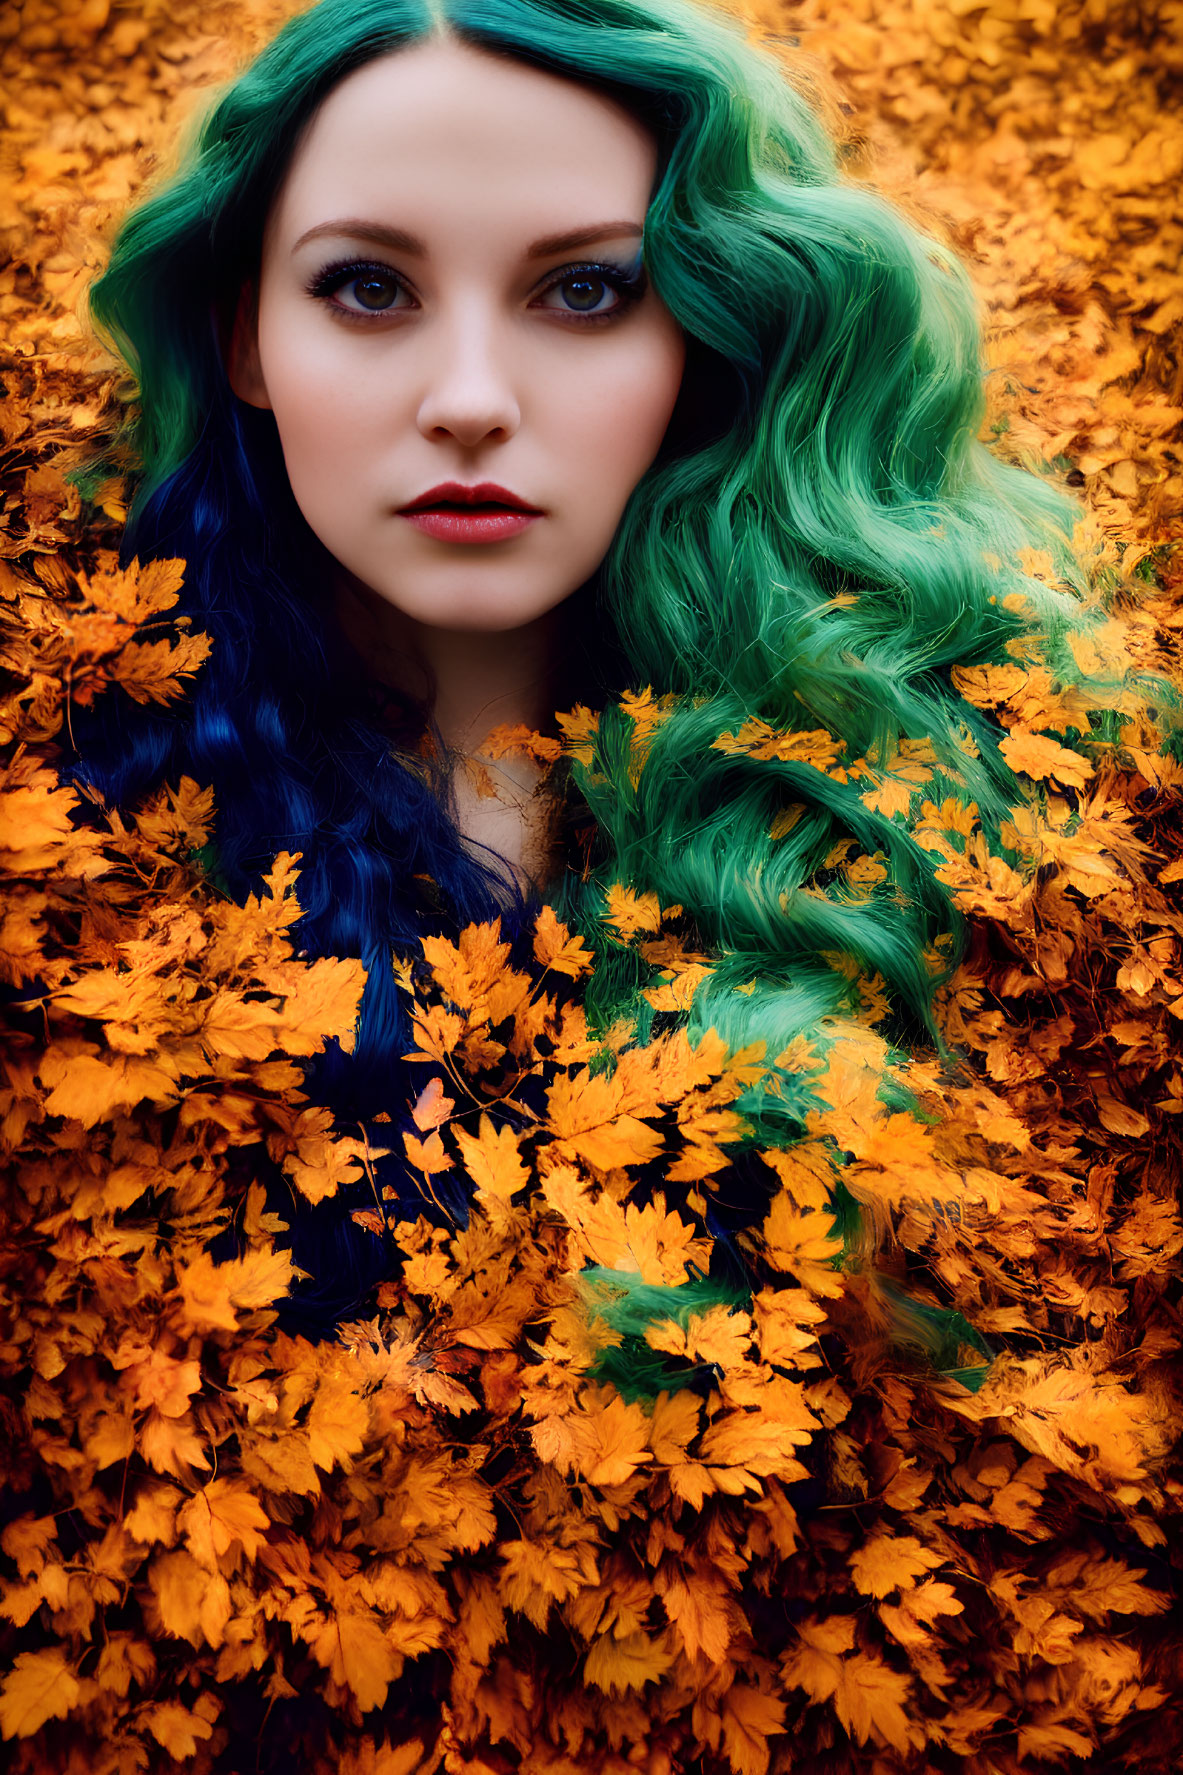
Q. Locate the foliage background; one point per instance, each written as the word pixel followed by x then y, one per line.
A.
pixel 221 1544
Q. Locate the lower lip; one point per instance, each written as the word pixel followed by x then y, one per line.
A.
pixel 460 526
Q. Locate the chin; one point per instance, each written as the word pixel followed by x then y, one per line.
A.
pixel 471 616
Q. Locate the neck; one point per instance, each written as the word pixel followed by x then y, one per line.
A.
pixel 473 680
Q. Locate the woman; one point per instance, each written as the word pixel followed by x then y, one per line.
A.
pixel 815 541
pixel 495 358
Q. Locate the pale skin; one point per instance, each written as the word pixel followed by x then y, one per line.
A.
pixel 450 292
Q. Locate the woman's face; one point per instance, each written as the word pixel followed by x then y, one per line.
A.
pixel 450 297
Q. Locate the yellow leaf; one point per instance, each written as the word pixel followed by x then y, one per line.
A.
pixel 749 1718
pixel 521 739
pixel 466 970
pixel 429 1156
pixel 1120 1118
pixel 580 728
pixel 437 1031
pixel 171 1445
pixel 891 795
pixel 806 1170
pixel 355 1651
pixel 112 1438
pixel 721 1336
pixel 223 1512
pixel 337 1422
pixel 761 1444
pixel 909 1623
pixel 873 1701
pixel 618 1665
pixel 213 1295
pixel 887 1562
pixel 37 832
pixel 672 1425
pixel 175 1729
pixel 870 1699
pixel 587 1123
pixel 1099 1587
pixel 151 671
pixel 492 1160
pixel 1053 1742
pixel 556 949
pixel 40 1686
pixel 188 1597
pixel 612 1442
pixel 758 739
pixel 815 1663
pixel 90 1090
pixel 629 912
pixel 1035 755
pixel 537 1574
pixel 786 1319
pixel 804 1246
pixel 158 1378
pixel 27 1540
pixel 137 591
pixel 124 1660
pixel 698 1611
pixel 153 1517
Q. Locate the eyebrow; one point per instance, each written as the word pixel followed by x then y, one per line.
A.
pixel 402 242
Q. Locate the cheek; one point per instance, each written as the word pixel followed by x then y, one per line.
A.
pixel 325 411
pixel 615 429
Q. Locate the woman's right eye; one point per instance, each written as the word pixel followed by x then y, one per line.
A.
pixel 374 289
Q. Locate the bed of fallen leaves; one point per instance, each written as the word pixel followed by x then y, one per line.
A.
pixel 442 1542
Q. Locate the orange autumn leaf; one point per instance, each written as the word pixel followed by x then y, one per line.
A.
pixel 212 1295
pixel 40 1686
pixel 749 1718
pixel 356 1652
pixel 870 1700
pixel 557 950
pixel 611 1443
pixel 1035 755
pixel 720 1336
pixel 429 1156
pixel 888 1562
pixel 630 913
pixel 492 1158
pixel 588 1124
pixel 337 1422
pixel 521 739
pixel 89 1090
pixel 698 1610
pixel 222 1514
pixel 618 1665
pixel 758 739
pixel 804 1246
pixel 176 1729
pixel 537 1574
pixel 37 832
pixel 153 1517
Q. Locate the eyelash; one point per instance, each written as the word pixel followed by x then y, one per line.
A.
pixel 629 286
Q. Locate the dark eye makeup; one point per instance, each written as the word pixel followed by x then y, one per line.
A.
pixel 377 287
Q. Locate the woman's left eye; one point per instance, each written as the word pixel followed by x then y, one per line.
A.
pixel 594 291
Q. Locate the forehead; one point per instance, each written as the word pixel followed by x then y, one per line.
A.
pixel 443 123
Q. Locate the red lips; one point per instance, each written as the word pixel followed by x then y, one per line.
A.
pixel 485 513
pixel 452 493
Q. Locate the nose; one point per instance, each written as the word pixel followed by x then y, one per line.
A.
pixel 470 394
